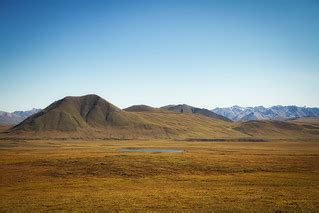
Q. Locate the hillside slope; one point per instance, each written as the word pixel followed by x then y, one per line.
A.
pixel 278 129
pixel 91 116
pixel 71 113
pixel 183 108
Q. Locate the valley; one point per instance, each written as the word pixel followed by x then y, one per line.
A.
pixel 95 175
pixel 159 106
pixel 85 154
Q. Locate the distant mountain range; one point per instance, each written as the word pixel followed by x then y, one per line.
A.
pixel 234 113
pixel 237 113
pixel 91 116
pixel 7 118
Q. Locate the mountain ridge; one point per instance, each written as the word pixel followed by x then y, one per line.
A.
pixel 184 108
pixel 143 108
pixel 277 112
pixel 13 118
pixel 91 116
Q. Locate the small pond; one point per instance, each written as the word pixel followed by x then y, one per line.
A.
pixel 153 150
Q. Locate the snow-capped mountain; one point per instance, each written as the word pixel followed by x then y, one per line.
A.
pixel 237 113
pixel 7 118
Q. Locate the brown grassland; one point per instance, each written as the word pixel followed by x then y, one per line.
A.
pixel 79 175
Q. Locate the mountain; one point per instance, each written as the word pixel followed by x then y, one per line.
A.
pixel 91 116
pixel 183 108
pixel 143 108
pixel 237 113
pixel 13 118
pixel 71 113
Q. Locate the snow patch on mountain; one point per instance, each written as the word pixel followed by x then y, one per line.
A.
pixel 13 118
pixel 278 112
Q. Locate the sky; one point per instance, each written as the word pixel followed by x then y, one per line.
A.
pixel 203 53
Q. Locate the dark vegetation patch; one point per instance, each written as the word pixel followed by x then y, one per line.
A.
pixel 310 126
pixel 144 165
pixel 227 140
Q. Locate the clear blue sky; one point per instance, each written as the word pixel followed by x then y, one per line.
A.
pixel 203 53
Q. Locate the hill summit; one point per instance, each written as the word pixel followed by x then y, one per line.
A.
pixel 71 113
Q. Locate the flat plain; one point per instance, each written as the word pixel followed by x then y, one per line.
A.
pixel 83 175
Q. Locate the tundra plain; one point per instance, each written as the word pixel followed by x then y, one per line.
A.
pixel 83 175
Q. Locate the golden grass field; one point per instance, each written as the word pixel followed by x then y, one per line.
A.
pixel 78 175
